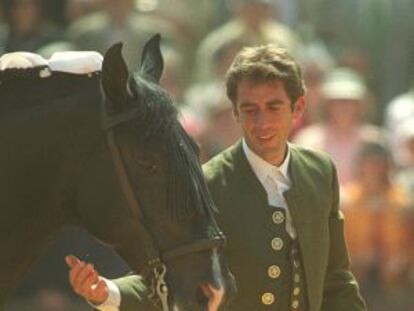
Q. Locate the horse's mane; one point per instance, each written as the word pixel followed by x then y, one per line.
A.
pixel 187 190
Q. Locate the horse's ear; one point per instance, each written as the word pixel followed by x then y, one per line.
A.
pixel 152 63
pixel 115 77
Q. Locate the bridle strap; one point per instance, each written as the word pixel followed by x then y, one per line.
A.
pixel 110 122
pixel 149 245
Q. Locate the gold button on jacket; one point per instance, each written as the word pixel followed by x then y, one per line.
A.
pixel 268 299
pixel 278 217
pixel 273 271
pixel 295 304
pixel 296 291
pixel 277 244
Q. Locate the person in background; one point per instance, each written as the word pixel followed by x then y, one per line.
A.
pixel 27 29
pixel 316 62
pixel 405 175
pixel 399 111
pixel 216 129
pixel 117 21
pixel 3 30
pixel 253 22
pixel 405 179
pixel 376 233
pixel 278 203
pixel 342 129
pixel 75 9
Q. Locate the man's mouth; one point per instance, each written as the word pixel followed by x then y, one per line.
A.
pixel 265 137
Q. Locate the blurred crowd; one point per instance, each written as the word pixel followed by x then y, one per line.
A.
pixel 357 58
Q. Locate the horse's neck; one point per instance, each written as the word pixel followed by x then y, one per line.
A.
pixel 48 135
pixel 47 151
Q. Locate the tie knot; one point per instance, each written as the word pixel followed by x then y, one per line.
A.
pixel 273 179
pixel 275 174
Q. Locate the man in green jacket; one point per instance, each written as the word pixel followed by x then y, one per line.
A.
pixel 278 203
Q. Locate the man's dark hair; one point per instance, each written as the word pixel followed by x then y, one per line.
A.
pixel 265 63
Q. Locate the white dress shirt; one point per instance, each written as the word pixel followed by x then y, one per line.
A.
pixel 275 181
pixel 113 301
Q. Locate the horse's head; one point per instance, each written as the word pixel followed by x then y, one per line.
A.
pixel 157 163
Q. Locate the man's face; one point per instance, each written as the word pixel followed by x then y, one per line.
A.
pixel 343 113
pixel 265 114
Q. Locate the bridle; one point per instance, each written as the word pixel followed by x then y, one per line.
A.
pixel 155 265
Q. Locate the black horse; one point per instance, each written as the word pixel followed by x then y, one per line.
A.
pixel 122 167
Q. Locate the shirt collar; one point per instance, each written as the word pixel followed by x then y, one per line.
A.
pixel 262 168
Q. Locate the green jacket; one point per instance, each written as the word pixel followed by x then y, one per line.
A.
pixel 313 204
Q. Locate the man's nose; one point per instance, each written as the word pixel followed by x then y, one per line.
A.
pixel 263 120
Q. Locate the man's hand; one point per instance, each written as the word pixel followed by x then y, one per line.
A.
pixel 215 296
pixel 86 281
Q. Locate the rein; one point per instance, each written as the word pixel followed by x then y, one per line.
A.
pixel 155 265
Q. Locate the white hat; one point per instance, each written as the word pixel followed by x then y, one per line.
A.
pixel 406 129
pixel 344 83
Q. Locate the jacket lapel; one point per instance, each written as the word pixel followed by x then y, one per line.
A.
pixel 305 217
pixel 250 185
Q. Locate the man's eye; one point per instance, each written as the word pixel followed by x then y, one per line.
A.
pixel 249 110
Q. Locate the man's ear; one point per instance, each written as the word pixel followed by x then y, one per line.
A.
pixel 299 107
